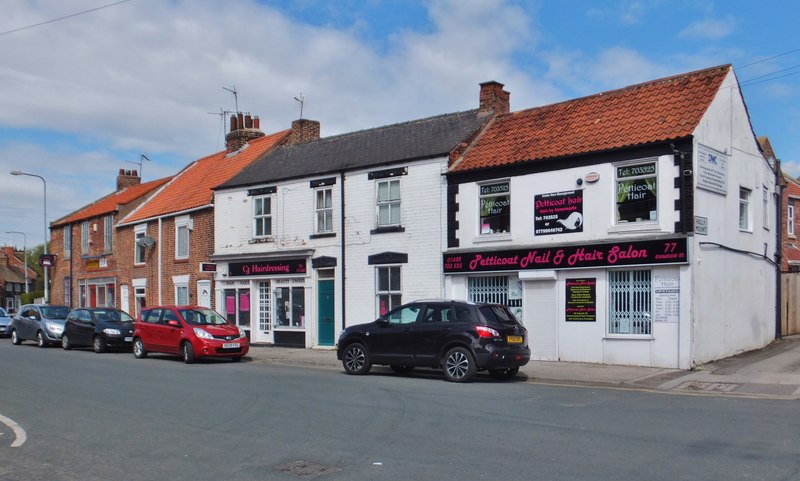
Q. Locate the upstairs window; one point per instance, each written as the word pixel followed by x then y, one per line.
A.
pixel 389 203
pixel 182 228
pixel 323 210
pixel 765 207
pixel 108 223
pixel 85 238
pixel 744 209
pixel 495 208
pixel 262 216
pixel 139 246
pixel 68 241
pixel 637 196
pixel 790 219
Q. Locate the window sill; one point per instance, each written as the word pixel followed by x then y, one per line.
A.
pixel 322 235
pixel 504 237
pixel 261 240
pixel 635 227
pixel 387 229
pixel 745 231
pixel 182 260
pixel 629 337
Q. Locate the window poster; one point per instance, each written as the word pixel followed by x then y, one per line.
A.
pixel 581 300
pixel 666 297
pixel 558 213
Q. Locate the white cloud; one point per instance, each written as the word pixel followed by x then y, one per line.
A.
pixel 710 28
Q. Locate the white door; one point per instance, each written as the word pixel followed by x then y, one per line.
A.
pixel 124 302
pixel 262 325
pixel 541 319
pixel 204 293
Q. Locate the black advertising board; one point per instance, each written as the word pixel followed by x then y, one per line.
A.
pixel 558 213
pixel 663 251
pixel 267 268
pixel 581 300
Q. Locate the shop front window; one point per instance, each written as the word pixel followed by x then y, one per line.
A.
pixel 290 307
pixel 503 290
pixel 630 302
pixel 237 306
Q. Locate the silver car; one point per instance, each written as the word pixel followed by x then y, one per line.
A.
pixel 41 323
pixel 5 320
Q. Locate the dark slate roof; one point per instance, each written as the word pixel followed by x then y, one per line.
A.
pixel 415 140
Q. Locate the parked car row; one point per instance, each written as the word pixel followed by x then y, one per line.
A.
pixel 189 331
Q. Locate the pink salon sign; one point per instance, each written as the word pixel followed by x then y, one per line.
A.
pixel 267 268
pixel 665 251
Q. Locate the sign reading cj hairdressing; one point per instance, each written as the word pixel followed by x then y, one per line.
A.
pixel 665 251
pixel 267 268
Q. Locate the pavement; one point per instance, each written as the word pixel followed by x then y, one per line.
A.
pixel 772 372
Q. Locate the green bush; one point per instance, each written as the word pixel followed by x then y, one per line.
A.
pixel 29 297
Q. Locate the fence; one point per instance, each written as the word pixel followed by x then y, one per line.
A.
pixel 790 303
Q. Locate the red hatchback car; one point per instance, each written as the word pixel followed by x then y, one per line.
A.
pixel 190 331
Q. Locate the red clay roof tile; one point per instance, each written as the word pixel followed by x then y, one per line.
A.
pixel 111 202
pixel 192 187
pixel 660 110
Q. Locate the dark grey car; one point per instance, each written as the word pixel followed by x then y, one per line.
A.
pixel 41 323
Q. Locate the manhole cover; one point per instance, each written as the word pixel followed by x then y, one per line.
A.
pixel 698 386
pixel 305 469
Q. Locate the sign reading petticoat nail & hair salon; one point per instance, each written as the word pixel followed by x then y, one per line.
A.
pixel 664 251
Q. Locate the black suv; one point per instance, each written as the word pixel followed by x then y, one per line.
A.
pixel 457 336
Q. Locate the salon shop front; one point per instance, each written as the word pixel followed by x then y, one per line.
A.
pixel 269 297
pixel 613 303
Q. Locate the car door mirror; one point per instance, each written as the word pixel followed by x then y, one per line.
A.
pixel 32 318
pixel 382 322
pixel 173 323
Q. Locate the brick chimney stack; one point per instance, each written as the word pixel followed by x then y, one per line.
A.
pixel 127 178
pixel 493 99
pixel 303 130
pixel 244 128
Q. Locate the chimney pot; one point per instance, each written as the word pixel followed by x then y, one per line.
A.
pixel 256 122
pixel 493 99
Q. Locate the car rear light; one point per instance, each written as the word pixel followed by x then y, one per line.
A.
pixel 486 332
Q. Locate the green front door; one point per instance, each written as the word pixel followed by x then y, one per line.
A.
pixel 325 308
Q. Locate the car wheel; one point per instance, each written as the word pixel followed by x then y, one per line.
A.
pixel 459 366
pixel 401 369
pixel 65 342
pixel 98 344
pixel 356 360
pixel 139 351
pixel 15 340
pixel 40 339
pixel 188 352
pixel 504 373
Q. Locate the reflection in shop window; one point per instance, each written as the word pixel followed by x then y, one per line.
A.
pixel 637 198
pixel 388 288
pixel 290 303
pixel 503 290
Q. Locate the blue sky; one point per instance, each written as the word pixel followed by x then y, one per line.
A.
pixel 84 96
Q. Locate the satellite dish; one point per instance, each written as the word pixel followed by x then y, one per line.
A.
pixel 146 241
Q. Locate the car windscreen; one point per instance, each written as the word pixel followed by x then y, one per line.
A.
pixel 498 314
pixel 3 312
pixel 112 315
pixel 200 317
pixel 55 312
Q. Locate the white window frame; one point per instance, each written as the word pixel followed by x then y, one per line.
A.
pixel 85 237
pixel 765 206
pixel 68 241
pixel 323 214
pixel 745 218
pixel 108 233
pixel 634 176
pixel 266 217
pixel 391 291
pixel 392 204
pixel 183 227
pixel 790 219
pixel 181 284
pixel 484 230
pixel 139 232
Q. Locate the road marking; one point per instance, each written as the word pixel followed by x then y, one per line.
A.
pixel 19 433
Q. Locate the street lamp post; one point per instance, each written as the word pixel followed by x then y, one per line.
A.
pixel 46 275
pixel 25 253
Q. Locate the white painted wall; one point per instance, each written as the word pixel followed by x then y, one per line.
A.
pixel 734 294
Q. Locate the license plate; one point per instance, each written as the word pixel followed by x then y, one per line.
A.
pixel 128 339
pixel 515 339
pixel 231 345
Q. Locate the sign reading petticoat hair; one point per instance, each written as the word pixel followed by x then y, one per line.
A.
pixel 558 213
pixel 267 268
pixel 649 252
